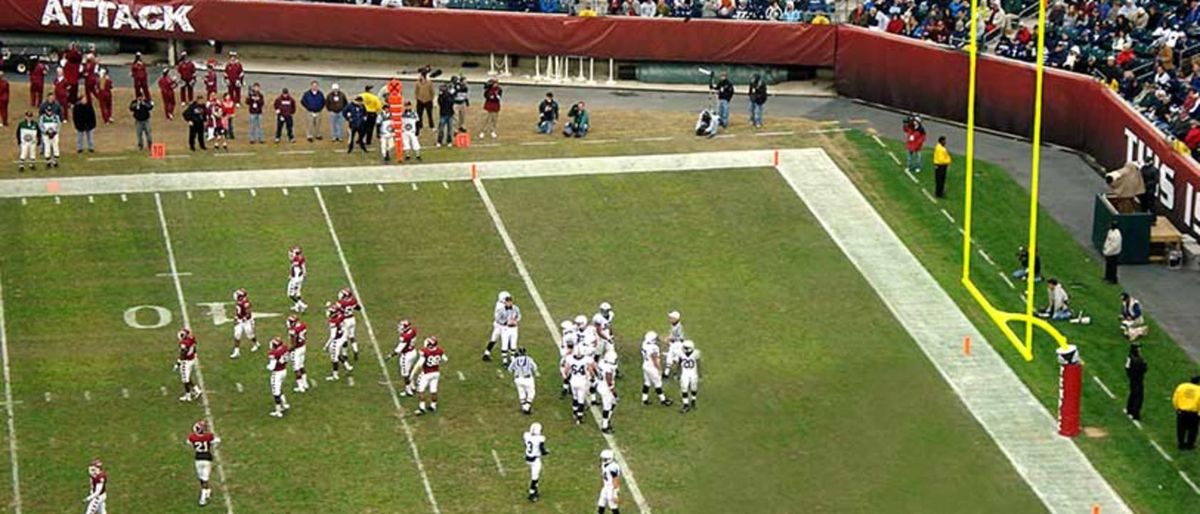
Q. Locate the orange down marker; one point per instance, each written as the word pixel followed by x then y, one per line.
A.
pixel 967 345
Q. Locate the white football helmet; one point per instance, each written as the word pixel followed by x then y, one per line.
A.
pixel 345 293
pixel 95 467
pixel 503 294
pixel 431 341
pixel 276 342
pixel 606 456
pixel 566 325
pixel 535 428
pixel 673 316
pixel 581 321
pixel 651 337
pixel 295 251
pixel 200 427
pixel 184 332
pixel 239 295
pixel 404 324
pixel 689 346
pixel 605 307
pixel 610 356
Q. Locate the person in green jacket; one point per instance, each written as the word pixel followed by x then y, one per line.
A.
pixel 579 124
pixel 28 133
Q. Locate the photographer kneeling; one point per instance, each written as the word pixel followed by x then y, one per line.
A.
pixel 578 124
pixel 707 124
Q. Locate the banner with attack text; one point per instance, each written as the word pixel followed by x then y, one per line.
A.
pixel 419 29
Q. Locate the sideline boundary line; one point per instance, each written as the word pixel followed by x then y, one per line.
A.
pixel 183 314
pixel 8 404
pixel 387 376
pixel 626 471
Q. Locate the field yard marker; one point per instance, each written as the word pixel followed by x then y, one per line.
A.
pixel 181 273
pixel 91 199
pixel 379 187
pixel 189 195
pixel 124 198
pixel 877 140
pixel 8 406
pixel 499 373
pixel 928 196
pixel 24 202
pixel 183 313
pixel 499 467
pixel 461 376
pixel 177 156
pixel 102 159
pixel 57 200
pixel 1161 451
pixel 408 433
pixel 349 189
pixel 297 152
pixel 124 392
pixel 556 336
pixel 285 191
pixel 986 257
pixel 827 131
pixel 48 397
pixel 253 193
pixel 239 387
pixel 87 396
pixel 350 380
pixel 445 185
pixel 233 154
pixel 1010 283
pixel 724 136
pixel 1189 481
pixel 947 215
pixel 912 177
pixel 1104 388
pixel 414 186
pixel 162 390
pixel 1136 423
pixel 221 193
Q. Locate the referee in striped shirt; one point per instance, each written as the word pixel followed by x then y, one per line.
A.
pixel 523 369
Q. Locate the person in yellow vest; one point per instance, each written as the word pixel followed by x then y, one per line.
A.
pixel 1187 412
pixel 941 162
pixel 374 106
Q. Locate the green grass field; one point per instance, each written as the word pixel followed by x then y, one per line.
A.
pixel 799 411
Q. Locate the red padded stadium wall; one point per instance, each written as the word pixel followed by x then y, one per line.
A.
pixel 442 30
pixel 1078 112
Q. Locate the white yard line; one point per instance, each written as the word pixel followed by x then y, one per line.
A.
pixel 8 406
pixel 879 141
pixel 1007 280
pixel 947 215
pixel 499 466
pixel 784 133
pixel 1189 481
pixel 985 256
pixel 928 196
pixel 387 378
pixel 1108 392
pixel 183 313
pixel 1053 466
pixel 1161 451
pixel 627 471
pixel 651 139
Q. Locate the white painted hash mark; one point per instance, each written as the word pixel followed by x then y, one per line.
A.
pixel 408 433
pixel 379 187
pixel 1107 392
pixel 499 466
pixel 1189 481
pixel 414 186
pixel 1161 451
pixel 285 191
pixel 8 407
pixel 461 376
pixel 556 335
pixel 183 314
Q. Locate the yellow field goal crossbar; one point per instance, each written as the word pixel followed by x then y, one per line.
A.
pixel 999 317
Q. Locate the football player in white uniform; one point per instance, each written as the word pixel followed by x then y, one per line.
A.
pixel 497 325
pixel 689 374
pixel 277 358
pixel 606 386
pixel 566 347
pixel 98 493
pixel 203 441
pixel 336 345
pixel 602 322
pixel 523 369
pixel 652 369
pixel 406 350
pixel 535 449
pixel 298 270
pixel 580 370
pixel 185 364
pixel 610 484
pixel 675 340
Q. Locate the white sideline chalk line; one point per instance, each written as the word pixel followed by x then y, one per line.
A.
pixel 627 472
pixel 183 314
pixel 387 377
pixel 8 406
pixel 1054 467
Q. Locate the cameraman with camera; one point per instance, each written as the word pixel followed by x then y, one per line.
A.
pixel 914 141
pixel 724 91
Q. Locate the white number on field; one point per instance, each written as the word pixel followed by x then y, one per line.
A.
pixel 163 317
pixel 218 312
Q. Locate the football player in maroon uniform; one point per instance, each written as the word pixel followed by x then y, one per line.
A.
pixel 297 271
pixel 277 365
pixel 407 352
pixel 349 305
pixel 430 362
pixel 243 323
pixel 186 364
pixel 203 442
pixel 298 334
pixel 98 493
pixel 336 345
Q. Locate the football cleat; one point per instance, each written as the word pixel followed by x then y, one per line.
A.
pixel 276 414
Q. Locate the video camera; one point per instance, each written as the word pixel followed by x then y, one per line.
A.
pixel 430 71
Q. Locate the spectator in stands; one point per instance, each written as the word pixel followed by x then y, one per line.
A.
pixel 285 110
pixel 356 117
pixel 141 108
pixel 579 123
pixel 313 101
pixel 773 11
pixel 373 106
pixel 1023 260
pixel 1112 252
pixel 491 107
pixel 446 105
pixel 425 96
pixel 790 13
pixel 758 100
pixel 914 141
pixel 84 117
pixel 1133 324
pixel 255 101
pixel 547 114
pixel 197 117
pixel 647 8
pixel 335 103
pixel 941 163
pixel 1186 401
pixel 1058 305
pixel 1135 371
pixel 723 88
pixel 876 20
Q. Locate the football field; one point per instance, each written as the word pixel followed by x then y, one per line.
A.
pixel 814 397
